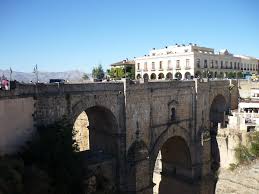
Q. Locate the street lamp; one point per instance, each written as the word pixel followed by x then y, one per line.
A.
pixel 35 70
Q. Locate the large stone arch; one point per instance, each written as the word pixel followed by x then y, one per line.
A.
pixel 173 146
pixel 172 131
pixel 218 108
pixel 103 127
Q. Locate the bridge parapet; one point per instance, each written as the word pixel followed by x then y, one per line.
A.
pixel 24 90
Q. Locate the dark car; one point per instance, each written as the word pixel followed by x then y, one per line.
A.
pixel 61 81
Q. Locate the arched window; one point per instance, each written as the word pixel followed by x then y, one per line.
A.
pixel 145 76
pixel 153 76
pixel 169 76
pixel 178 75
pixel 161 76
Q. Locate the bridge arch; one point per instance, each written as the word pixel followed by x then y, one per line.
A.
pixel 218 108
pixel 171 159
pixel 96 128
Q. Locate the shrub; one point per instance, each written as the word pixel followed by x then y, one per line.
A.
pixel 243 154
pixel 53 150
pixel 233 166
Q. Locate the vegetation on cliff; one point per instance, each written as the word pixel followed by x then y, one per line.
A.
pixel 246 154
pixel 49 164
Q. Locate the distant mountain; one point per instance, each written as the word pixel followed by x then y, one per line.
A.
pixel 72 76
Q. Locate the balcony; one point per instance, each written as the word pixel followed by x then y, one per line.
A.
pixel 187 68
pixel 178 68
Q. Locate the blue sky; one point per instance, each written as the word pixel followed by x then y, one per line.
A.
pixel 78 34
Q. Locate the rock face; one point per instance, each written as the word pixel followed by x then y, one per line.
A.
pixel 242 180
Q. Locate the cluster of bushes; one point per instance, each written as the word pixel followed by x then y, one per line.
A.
pixel 244 154
pixel 49 164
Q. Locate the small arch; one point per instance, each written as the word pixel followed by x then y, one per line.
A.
pixel 226 74
pixel 169 76
pixel 145 76
pixel 153 76
pixel 197 74
pixel 178 75
pixel 221 75
pixel 138 76
pixel 210 74
pixel 161 76
pixel 187 75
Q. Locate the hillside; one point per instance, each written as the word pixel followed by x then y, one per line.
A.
pixel 72 76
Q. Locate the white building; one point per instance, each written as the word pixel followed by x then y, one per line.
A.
pixel 185 61
pixel 246 118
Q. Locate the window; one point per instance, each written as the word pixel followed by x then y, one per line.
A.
pixel 153 66
pixel 169 63
pixel 173 114
pixel 178 64
pixel 138 66
pixel 187 64
pixel 145 66
pixel 212 64
pixel 198 63
pixel 238 65
pixel 216 64
pixel 226 64
pixel 231 65
pixel 205 63
pixel 221 64
pixel 160 64
pixel 235 65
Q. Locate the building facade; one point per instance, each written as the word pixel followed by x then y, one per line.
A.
pixel 187 61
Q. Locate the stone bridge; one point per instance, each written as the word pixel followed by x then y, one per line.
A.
pixel 140 125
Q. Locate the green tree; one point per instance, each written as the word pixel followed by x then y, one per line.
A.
pixel 98 72
pixel 116 73
pixel 239 74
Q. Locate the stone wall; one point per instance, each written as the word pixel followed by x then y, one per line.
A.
pixel 16 123
pixel 228 140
